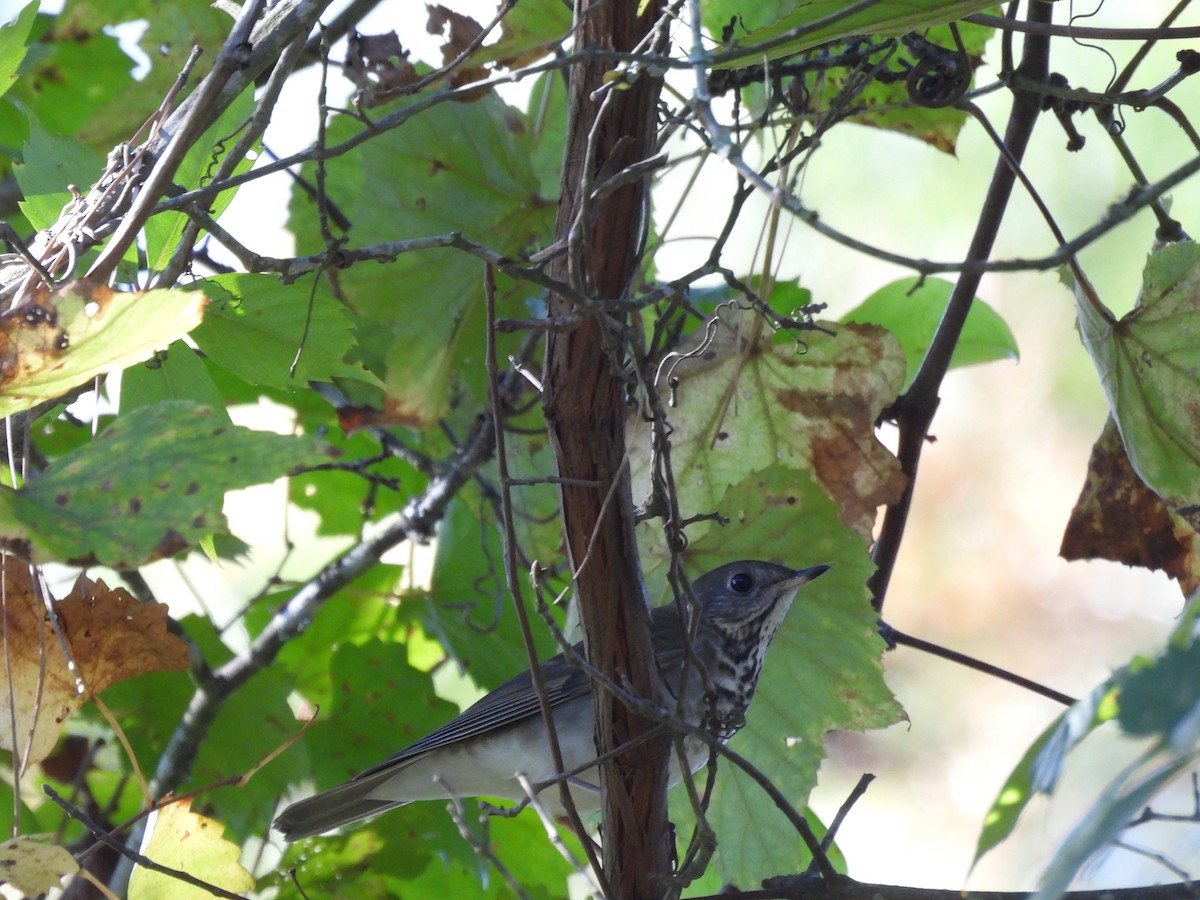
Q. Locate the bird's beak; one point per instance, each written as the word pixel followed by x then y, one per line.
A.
pixel 801 577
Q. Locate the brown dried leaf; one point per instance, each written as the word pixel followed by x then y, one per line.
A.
pixel 112 637
pixel 36 678
pixel 458 32
pixel 379 66
pixel 1118 518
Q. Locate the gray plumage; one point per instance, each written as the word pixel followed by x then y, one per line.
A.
pixel 480 752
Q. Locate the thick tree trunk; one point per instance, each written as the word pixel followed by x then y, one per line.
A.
pixel 586 410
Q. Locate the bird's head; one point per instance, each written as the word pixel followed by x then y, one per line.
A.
pixel 750 595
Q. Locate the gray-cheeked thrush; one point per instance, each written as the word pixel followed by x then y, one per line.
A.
pixel 481 752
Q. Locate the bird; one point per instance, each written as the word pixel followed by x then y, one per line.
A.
pixel 482 751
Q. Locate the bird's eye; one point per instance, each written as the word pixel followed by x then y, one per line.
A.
pixel 741 583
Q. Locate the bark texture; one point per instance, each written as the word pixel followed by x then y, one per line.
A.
pixel 585 404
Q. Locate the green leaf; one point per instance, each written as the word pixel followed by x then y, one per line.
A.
pixel 1128 794
pixel 1160 697
pixel 82 331
pixel 469 609
pixel 147 708
pixel 70 74
pixel 1147 363
pixel 829 643
pixel 51 163
pixel 13 37
pixel 151 485
pixel 176 373
pixel 767 435
pixel 528 29
pixel 1041 767
pixel 457 167
pixel 283 326
pixel 912 309
pixel 547 115
pixel 364 611
pixel 886 104
pixel 417 853
pixel 805 18
pixel 1149 698
pixel 347 501
pixel 173 30
pixel 199 164
pixel 366 680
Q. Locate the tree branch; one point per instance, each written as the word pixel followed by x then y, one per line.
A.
pixel 917 407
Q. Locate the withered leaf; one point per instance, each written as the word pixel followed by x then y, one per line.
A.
pixel 1118 518
pixel 110 635
pixel 378 65
pixel 744 405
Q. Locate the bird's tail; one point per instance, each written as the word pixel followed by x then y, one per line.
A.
pixel 337 806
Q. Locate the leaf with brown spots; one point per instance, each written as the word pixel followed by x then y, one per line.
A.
pixel 110 635
pixel 1117 517
pixel 191 843
pixel 744 404
pixel 61 341
pixel 34 868
pixel 150 486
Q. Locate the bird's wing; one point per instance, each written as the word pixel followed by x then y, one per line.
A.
pixel 516 700
pixel 512 702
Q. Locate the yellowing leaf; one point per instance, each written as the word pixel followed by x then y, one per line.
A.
pixel 191 843
pixel 744 405
pixel 111 636
pixel 34 868
pixel 63 340
pixel 417 397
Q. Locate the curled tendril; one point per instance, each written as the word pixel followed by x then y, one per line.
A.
pixel 673 359
pixel 939 77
